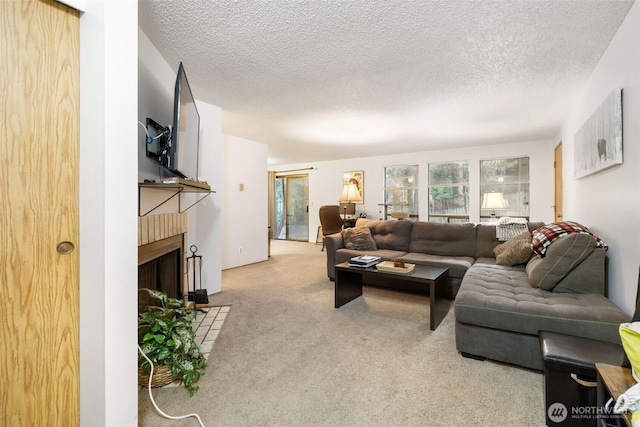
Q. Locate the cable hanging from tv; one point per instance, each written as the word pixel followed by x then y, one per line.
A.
pixel 149 139
pixel 163 135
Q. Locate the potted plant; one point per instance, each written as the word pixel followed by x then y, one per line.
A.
pixel 167 338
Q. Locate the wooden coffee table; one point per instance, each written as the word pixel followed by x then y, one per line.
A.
pixel 348 285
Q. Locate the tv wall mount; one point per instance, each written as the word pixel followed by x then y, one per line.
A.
pixel 163 135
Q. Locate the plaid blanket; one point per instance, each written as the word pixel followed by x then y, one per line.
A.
pixel 507 228
pixel 545 235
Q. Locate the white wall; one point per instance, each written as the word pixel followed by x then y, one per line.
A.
pixel 156 84
pixel 156 80
pixel 325 182
pixel 608 201
pixel 108 211
pixel 246 211
pixel 207 232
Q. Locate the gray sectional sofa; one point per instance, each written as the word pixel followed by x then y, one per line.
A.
pixel 499 309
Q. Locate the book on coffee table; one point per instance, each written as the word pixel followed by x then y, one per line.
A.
pixel 389 266
pixel 364 261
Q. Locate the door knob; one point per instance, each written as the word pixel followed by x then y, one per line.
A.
pixel 65 248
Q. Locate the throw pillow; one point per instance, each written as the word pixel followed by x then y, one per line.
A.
pixel 359 238
pixel 514 251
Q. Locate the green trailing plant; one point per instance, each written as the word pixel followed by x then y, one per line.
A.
pixel 166 336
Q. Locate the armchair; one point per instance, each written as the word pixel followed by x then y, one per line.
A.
pixel 330 221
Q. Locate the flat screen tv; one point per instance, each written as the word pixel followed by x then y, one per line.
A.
pixel 176 146
pixel 185 135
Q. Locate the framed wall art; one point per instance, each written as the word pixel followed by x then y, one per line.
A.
pixel 598 143
pixel 357 178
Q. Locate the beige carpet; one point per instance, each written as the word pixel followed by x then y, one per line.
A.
pixel 286 357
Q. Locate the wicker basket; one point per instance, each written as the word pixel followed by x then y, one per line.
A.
pixel 161 377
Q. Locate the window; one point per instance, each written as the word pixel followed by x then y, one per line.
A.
pixel 449 192
pixel 509 177
pixel 401 191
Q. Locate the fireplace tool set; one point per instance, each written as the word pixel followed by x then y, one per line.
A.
pixel 199 295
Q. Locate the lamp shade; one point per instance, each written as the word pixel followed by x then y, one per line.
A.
pixel 493 201
pixel 350 194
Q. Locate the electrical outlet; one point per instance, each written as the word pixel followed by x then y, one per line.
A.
pixel 240 250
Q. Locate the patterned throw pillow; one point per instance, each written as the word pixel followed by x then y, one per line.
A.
pixel 359 238
pixel 545 235
pixel 514 251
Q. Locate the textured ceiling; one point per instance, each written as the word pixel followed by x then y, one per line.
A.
pixel 322 80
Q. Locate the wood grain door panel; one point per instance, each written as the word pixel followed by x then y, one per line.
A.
pixel 557 166
pixel 39 142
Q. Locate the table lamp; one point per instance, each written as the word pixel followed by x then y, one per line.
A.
pixel 493 201
pixel 350 194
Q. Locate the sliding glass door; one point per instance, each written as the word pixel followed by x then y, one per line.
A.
pixel 292 207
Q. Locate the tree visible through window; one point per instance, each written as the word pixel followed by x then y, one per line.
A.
pixel 449 192
pixel 401 190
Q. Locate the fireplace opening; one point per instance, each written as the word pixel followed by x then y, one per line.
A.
pixel 160 267
pixel 161 274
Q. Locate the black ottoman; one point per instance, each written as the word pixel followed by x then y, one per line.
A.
pixel 570 376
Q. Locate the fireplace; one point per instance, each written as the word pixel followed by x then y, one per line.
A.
pixel 160 267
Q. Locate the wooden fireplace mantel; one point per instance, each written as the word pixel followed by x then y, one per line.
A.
pixel 158 248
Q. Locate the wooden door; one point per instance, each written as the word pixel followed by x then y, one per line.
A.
pixel 557 166
pixel 39 285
